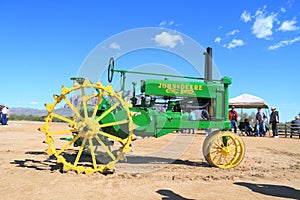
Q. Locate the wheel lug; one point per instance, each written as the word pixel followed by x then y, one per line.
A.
pixel 86 128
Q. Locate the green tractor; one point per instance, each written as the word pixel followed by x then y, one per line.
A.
pixel 105 122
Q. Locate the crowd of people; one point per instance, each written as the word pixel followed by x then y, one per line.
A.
pixel 260 127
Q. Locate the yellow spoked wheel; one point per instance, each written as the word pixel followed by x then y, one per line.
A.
pixel 97 135
pixel 223 150
pixel 206 142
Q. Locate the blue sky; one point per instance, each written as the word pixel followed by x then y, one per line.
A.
pixel 256 43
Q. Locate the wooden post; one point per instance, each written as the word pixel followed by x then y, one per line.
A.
pixel 285 132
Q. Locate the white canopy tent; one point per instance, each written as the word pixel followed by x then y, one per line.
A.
pixel 248 101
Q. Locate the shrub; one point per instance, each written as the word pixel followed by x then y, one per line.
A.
pixel 22 117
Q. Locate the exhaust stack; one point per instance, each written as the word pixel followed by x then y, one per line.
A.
pixel 208 64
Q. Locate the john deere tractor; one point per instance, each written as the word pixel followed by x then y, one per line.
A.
pixel 105 122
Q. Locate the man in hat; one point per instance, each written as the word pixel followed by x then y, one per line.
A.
pixel 233 117
pixel 260 123
pixel 274 120
pixel 295 126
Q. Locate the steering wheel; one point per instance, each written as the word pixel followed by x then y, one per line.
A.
pixel 111 67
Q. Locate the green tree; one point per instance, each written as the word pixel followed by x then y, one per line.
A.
pixel 244 116
pixel 250 117
pixel 22 117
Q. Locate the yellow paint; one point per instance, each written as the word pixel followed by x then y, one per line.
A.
pixel 86 128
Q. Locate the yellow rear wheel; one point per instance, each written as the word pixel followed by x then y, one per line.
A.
pixel 223 150
pixel 207 141
pixel 84 142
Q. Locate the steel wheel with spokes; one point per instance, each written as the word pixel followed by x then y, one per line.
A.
pixel 97 135
pixel 224 150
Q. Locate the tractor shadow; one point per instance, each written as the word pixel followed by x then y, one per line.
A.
pixel 158 160
pixel 39 162
pixel 272 190
pixel 50 163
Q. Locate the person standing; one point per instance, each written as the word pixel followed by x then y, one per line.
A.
pixel 274 120
pixel 205 116
pixel 7 115
pixel 233 117
pixel 1 115
pixel 192 117
pixel 4 115
pixel 295 126
pixel 260 123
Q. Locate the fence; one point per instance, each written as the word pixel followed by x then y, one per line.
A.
pixel 285 129
pixel 289 129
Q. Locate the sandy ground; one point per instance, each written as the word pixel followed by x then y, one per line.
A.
pixel 270 170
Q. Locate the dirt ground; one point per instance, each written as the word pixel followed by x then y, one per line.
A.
pixel 170 167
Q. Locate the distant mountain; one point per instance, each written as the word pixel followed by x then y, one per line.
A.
pixel 39 112
pixel 75 101
pixel 64 111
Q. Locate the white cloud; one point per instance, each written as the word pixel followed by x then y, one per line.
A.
pixel 288 25
pixel 260 12
pixel 232 32
pixel 218 40
pixel 178 25
pixel 246 17
pixel 115 45
pixel 168 24
pixel 162 23
pixel 284 43
pixel 33 103
pixel 168 40
pixel 262 27
pixel 234 43
pixel 283 10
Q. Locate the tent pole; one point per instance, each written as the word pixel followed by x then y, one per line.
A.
pixel 242 114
